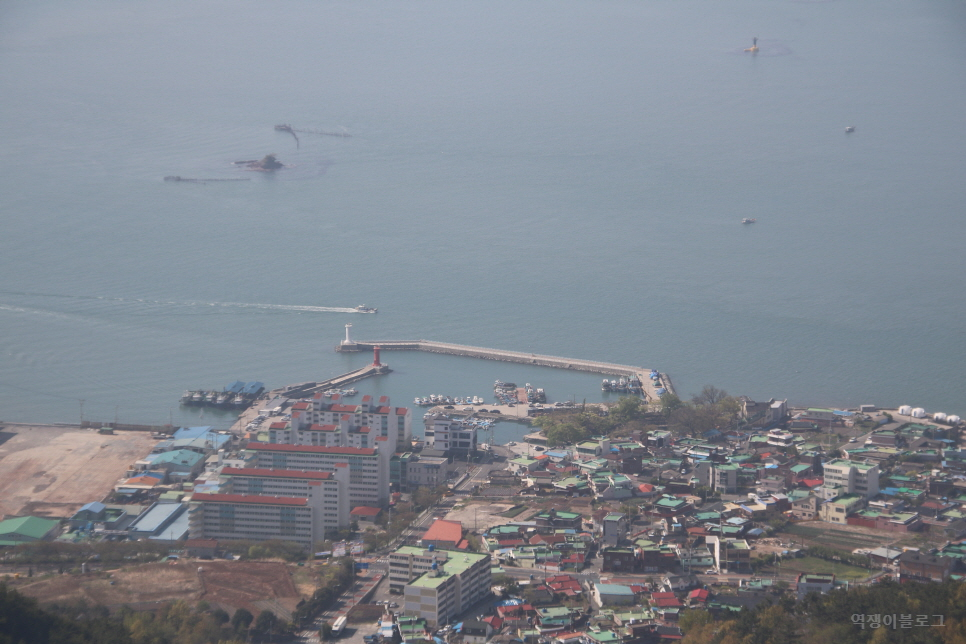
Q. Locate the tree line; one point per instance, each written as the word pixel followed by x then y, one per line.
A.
pixel 913 613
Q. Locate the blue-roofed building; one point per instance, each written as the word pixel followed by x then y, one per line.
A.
pixel 93 511
pixel 157 518
pixel 253 388
pixel 175 530
pixel 180 465
pixel 235 387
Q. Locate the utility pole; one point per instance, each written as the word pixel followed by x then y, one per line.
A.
pixel 82 411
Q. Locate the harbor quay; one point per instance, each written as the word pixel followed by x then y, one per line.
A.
pixel 652 387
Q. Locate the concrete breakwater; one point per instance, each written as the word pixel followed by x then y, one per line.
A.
pixel 311 388
pixel 555 362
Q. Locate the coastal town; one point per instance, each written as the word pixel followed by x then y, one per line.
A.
pixel 623 535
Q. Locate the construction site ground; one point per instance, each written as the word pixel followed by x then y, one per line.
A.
pixel 255 586
pixel 52 470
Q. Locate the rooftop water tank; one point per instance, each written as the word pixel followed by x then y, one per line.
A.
pixel 918 412
pixel 905 410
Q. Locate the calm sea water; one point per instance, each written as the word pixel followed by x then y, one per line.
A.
pixel 556 177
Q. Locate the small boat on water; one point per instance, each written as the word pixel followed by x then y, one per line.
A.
pixel 362 308
pixel 748 220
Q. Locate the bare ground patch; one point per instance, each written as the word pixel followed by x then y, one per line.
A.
pixel 52 470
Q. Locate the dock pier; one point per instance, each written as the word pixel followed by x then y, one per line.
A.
pixel 556 362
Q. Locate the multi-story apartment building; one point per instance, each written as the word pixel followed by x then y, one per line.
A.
pixel 725 478
pixel 328 421
pixel 333 486
pixel 852 477
pixel 255 517
pixel 431 471
pixel 368 466
pixel 449 434
pixel 453 582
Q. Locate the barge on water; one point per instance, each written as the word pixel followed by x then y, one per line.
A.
pixel 237 395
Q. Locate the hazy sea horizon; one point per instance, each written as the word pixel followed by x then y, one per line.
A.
pixel 565 178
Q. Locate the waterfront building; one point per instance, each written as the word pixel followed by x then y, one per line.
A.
pixel 330 422
pixel 332 486
pixel 450 435
pixel 368 467
pixel 438 585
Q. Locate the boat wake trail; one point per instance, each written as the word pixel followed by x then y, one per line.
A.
pixel 300 308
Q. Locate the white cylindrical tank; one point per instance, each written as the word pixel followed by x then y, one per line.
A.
pixel 905 410
pixel 953 420
pixel 939 416
pixel 918 412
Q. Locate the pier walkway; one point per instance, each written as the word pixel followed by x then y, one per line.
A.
pixel 310 388
pixel 556 362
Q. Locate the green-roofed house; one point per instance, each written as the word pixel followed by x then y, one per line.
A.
pixel 13 532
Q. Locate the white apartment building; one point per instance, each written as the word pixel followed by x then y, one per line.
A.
pixel 449 434
pixel 368 466
pixel 332 486
pixel 453 582
pixel 431 471
pixel 328 421
pixel 851 477
pixel 725 478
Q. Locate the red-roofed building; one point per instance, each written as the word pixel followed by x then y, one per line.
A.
pixel 443 534
pixel 665 600
pixel 332 488
pixel 364 514
pixel 698 596
pixel 393 423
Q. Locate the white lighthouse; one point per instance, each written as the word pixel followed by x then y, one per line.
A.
pixel 348 343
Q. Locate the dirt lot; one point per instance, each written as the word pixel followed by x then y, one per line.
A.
pixel 479 515
pixel 52 471
pixel 255 586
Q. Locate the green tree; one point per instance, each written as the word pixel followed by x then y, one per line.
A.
pixel 628 409
pixel 669 403
pixel 325 631
pixel 691 619
pixel 266 623
pixel 241 620
pixel 508 583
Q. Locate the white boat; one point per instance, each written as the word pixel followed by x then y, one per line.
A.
pixel 362 308
pixel 748 220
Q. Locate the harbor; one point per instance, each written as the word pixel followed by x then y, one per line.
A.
pixel 652 383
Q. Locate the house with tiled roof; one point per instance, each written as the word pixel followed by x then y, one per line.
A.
pixel 447 535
